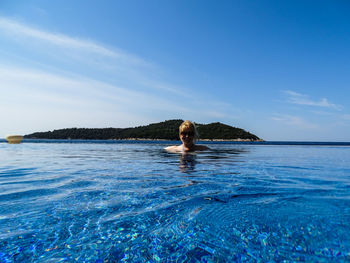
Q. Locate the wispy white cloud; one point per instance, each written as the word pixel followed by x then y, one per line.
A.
pixel 324 113
pixel 14 27
pixel 346 117
pixel 33 97
pixel 302 99
pixel 81 57
pixel 73 90
pixel 78 56
pixel 294 121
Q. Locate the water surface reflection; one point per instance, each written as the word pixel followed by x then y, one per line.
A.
pixel 187 162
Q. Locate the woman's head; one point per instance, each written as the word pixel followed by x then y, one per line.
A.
pixel 187 132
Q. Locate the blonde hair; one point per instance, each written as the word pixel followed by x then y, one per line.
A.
pixel 188 125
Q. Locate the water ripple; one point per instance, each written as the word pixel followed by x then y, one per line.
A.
pixel 28 194
pixel 138 203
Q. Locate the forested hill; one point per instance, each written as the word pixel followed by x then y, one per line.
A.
pixel 167 130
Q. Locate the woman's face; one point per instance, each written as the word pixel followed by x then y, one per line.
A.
pixel 187 136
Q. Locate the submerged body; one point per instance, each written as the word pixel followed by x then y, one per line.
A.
pixel 188 135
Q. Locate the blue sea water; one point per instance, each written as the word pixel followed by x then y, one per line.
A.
pixel 134 202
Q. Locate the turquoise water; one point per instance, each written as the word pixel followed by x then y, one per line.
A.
pixel 133 202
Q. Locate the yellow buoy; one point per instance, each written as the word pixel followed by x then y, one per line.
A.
pixel 14 138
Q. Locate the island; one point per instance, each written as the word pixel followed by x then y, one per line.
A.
pixel 166 130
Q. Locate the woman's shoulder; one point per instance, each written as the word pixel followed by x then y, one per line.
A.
pixel 174 148
pixel 180 148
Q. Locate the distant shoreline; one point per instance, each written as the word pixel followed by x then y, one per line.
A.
pixel 199 140
pixel 147 139
pixel 163 141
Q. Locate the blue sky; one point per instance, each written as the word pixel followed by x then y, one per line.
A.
pixel 279 69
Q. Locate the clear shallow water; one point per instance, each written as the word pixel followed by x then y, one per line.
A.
pixel 133 202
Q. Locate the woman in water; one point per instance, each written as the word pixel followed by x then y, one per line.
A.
pixel 188 135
